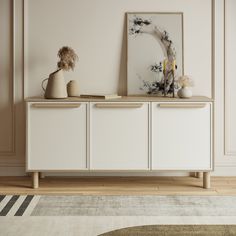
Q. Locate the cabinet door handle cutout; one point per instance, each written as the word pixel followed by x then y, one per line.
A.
pixel 119 105
pixel 50 105
pixel 179 105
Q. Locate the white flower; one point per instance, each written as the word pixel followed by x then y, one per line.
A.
pixel 185 81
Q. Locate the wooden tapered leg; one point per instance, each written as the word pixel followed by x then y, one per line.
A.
pixel 35 179
pixel 199 175
pixel 196 174
pixel 206 180
pixel 192 174
pixel 41 175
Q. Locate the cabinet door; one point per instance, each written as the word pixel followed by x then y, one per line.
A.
pixel 119 136
pixel 181 136
pixel 56 136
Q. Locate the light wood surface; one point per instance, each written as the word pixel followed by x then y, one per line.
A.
pixel 119 186
pixel 41 175
pixel 206 180
pixel 182 105
pixel 35 179
pixel 199 174
pixel 57 105
pixel 118 105
pixel 123 99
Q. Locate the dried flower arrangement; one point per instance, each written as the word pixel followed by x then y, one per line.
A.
pixel 185 81
pixel 67 57
pixel 163 83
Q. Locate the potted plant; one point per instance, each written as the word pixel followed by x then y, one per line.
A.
pixel 56 87
pixel 185 84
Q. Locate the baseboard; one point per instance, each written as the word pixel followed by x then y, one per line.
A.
pixel 20 171
pixel 12 171
pixel 224 171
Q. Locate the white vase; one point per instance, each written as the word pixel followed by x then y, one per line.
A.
pixel 185 92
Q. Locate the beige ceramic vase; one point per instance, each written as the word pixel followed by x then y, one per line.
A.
pixel 56 86
pixel 73 88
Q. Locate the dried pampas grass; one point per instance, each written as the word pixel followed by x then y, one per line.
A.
pixel 67 57
pixel 185 81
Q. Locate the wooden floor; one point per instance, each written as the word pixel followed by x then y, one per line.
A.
pixel 118 186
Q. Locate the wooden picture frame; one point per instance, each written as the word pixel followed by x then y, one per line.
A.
pixel 146 49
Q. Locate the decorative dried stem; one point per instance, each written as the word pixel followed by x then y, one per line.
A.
pixel 67 57
pixel 173 74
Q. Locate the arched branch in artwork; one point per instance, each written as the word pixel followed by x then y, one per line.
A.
pixel 141 26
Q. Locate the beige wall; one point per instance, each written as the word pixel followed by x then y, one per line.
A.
pixel 96 30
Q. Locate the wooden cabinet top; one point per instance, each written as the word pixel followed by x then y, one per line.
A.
pixel 123 99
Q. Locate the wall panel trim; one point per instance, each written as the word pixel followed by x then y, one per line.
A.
pixel 12 151
pixel 227 151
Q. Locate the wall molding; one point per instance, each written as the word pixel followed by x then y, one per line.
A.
pixel 213 49
pixel 12 152
pixel 227 150
pixel 229 163
pixel 25 51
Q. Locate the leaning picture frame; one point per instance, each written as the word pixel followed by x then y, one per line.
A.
pixel 155 46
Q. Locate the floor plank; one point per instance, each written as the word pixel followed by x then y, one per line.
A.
pixel 118 186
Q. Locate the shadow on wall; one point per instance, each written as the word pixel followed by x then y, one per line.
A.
pixel 122 83
pixel 12 126
pixel 6 127
pixel 6 85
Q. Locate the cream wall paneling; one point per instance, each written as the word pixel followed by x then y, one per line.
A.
pixel 7 78
pixel 225 161
pixel 102 64
pixel 229 77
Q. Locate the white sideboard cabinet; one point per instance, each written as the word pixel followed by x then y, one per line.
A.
pixel 126 134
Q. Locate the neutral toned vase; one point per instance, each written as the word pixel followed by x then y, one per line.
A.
pixel 56 86
pixel 185 92
pixel 73 88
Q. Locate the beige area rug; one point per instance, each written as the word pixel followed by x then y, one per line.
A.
pixel 115 215
pixel 96 225
pixel 172 230
pixel 150 205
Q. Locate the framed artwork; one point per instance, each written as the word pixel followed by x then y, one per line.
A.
pixel 155 52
